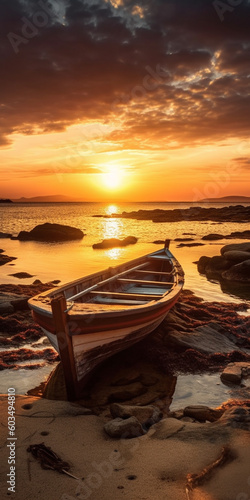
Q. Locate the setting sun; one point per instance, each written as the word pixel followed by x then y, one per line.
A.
pixel 113 177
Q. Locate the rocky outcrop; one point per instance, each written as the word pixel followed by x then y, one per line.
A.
pixel 242 247
pixel 115 242
pixel 238 213
pixel 5 235
pixel 22 275
pixel 239 272
pixel 51 233
pixel 236 234
pixel 5 259
pixel 233 264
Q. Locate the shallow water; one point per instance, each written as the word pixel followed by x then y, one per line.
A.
pixel 205 389
pixel 71 260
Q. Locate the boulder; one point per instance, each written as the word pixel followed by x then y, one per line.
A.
pixel 244 247
pixel 239 272
pixel 115 242
pixel 51 233
pixel 125 429
pixel 211 265
pixel 202 413
pixel 236 256
pixel 234 372
pixel 147 415
pixel 10 302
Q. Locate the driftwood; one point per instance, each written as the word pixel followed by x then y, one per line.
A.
pixel 194 480
pixel 49 459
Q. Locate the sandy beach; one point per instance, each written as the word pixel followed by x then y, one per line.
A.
pixel 155 465
pixel 158 461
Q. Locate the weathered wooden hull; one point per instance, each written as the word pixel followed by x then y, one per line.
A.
pixel 91 349
pixel 100 325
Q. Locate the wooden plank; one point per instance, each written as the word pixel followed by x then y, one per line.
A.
pixel 58 305
pixel 125 302
pixel 145 282
pixel 125 295
pixel 159 257
pixel 164 273
pixel 104 282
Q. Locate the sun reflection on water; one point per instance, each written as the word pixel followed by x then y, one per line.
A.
pixel 112 228
pixel 113 253
pixel 111 209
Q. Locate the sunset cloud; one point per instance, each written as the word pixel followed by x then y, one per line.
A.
pixel 160 74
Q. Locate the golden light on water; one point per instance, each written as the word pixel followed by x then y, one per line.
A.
pixel 112 228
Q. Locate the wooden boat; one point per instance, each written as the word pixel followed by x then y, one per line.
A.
pixel 96 316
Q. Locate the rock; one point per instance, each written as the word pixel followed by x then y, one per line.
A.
pixel 234 372
pixel 213 237
pixel 236 256
pixel 51 233
pixel 190 245
pixel 10 302
pixel 37 282
pixel 115 242
pixel 147 415
pixel 202 413
pixel 239 272
pixel 125 429
pixel 4 259
pixel 184 239
pixel 127 392
pixel 205 339
pixel 203 263
pixel 213 265
pixel 166 428
pixel 55 282
pixel 130 378
pixel 243 247
pixel 1 251
pixel 237 417
pixel 5 235
pixel 234 213
pixel 22 275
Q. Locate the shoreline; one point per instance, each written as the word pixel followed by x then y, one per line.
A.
pixel 166 455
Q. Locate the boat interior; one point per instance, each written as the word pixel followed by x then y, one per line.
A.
pixel 154 277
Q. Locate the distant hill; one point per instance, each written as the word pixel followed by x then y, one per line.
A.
pixel 45 199
pixel 232 199
pixel 5 201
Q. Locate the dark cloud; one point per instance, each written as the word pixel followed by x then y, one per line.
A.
pixel 173 73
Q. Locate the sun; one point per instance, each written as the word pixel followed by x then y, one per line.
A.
pixel 112 178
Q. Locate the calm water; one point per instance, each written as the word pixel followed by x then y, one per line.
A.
pixel 71 260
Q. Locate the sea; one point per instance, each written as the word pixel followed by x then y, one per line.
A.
pixel 70 260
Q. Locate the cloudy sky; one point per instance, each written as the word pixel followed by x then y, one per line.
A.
pixel 125 100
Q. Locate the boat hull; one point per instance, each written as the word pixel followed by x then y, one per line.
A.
pixel 92 349
pixel 93 318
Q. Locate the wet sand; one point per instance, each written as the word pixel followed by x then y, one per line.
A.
pixel 156 464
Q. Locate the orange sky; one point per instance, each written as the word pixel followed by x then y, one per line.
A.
pixel 128 101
